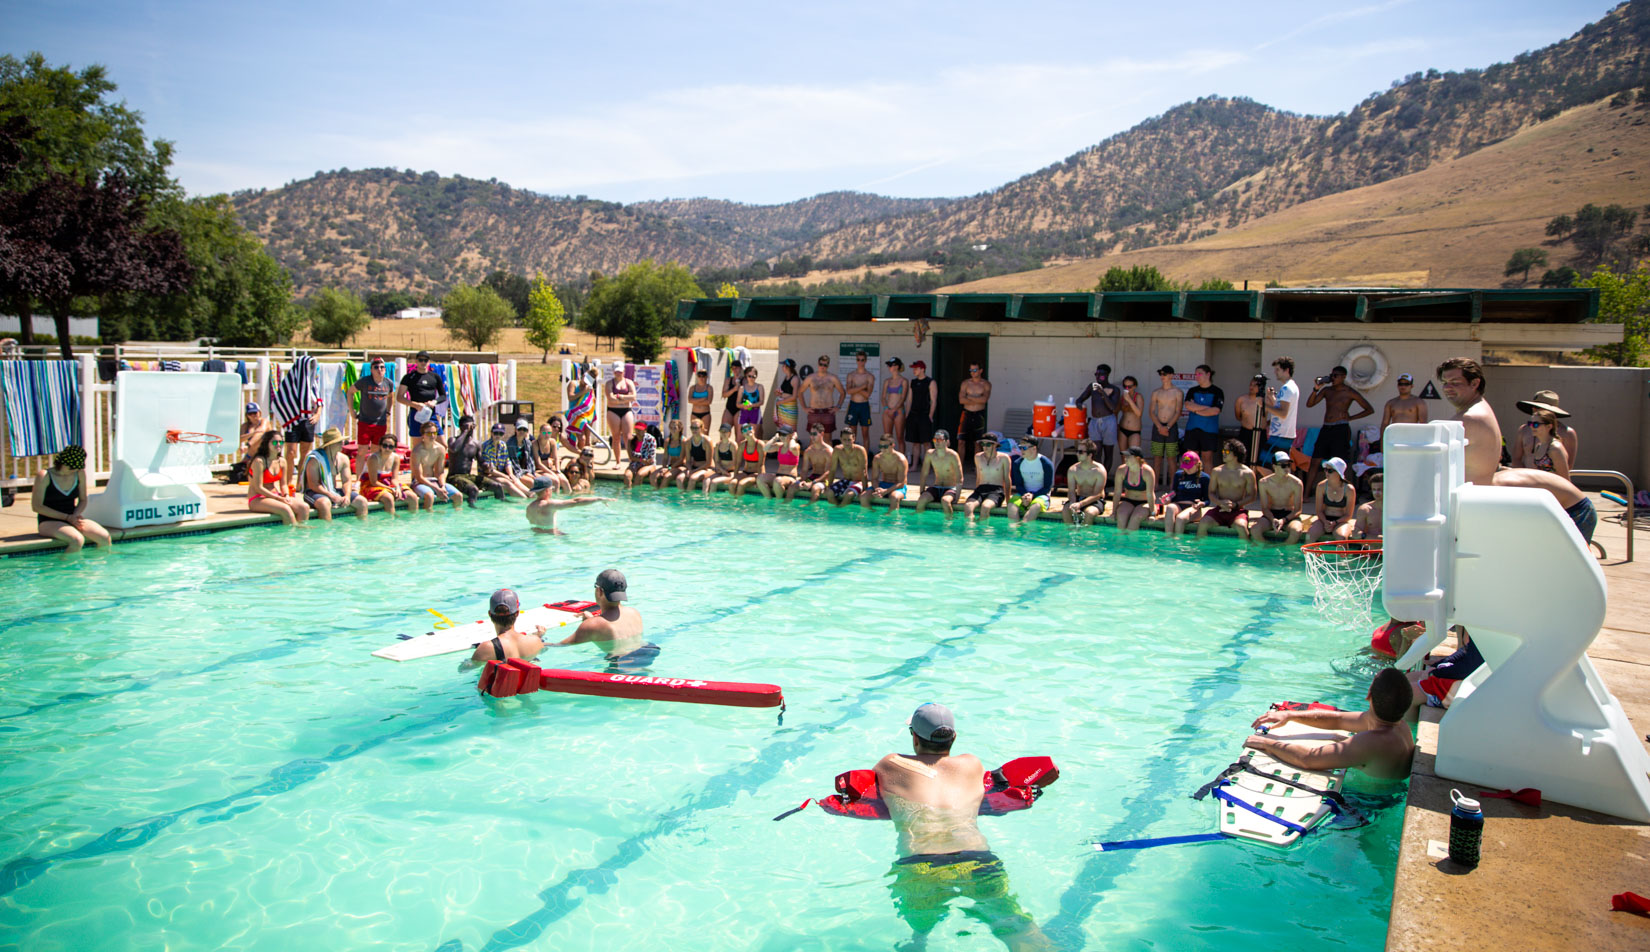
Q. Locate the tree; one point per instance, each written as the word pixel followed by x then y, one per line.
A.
pixel 385 303
pixel 1623 299
pixel 1560 227
pixel 1599 230
pixel 726 290
pixel 1523 260
pixel 475 315
pixel 1141 277
pixel 639 305
pixel 1215 284
pixel 513 288
pixel 335 316
pixel 546 316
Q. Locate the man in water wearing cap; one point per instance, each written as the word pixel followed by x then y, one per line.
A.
pixel 421 390
pixel 934 797
pixel 1406 407
pixel 615 629
pixel 373 416
pixel 507 642
pixel 541 511
pixel 1381 744
pixel 1104 401
pixel 1525 441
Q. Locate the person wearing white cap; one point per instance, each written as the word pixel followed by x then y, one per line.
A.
pixel 1281 497
pixel 621 404
pixel 1406 407
pixel 1336 501
pixel 933 797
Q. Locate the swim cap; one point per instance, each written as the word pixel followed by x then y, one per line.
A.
pixel 541 483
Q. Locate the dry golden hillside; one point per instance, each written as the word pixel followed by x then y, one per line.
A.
pixel 1451 225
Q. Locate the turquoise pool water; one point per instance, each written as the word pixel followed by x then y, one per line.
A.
pixel 200 753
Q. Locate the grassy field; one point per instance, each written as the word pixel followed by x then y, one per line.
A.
pixel 1451 225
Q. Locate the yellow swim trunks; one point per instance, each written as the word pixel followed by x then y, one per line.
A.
pixel 924 885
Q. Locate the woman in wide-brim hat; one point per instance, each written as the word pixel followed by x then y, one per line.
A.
pixel 1524 442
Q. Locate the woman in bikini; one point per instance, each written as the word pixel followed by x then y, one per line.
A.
pixel 1132 491
pixel 699 397
pixel 1548 453
pixel 60 498
pixel 722 463
pixel 1336 501
pixel 784 405
pixel 1251 421
pixel 378 476
pixel 753 458
pixel 266 483
pixel 546 453
pixel 787 454
pixel 1130 410
pixel 672 467
pixel 697 453
pixel 751 396
pixel 895 389
pixel 621 402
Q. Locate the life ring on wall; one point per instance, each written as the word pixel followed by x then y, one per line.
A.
pixel 1366 366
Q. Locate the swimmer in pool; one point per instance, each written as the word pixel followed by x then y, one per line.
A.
pixel 541 511
pixel 934 797
pixel 506 642
pixel 615 629
pixel 1381 744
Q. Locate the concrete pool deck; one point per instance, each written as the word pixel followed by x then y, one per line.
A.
pixel 1547 873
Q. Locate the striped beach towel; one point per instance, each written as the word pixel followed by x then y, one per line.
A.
pixel 298 394
pixel 42 405
pixel 582 414
pixel 669 393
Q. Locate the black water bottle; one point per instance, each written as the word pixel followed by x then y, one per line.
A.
pixel 1466 829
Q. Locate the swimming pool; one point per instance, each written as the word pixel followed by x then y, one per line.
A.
pixel 200 752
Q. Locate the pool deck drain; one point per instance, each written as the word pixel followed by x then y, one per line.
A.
pixel 1547 874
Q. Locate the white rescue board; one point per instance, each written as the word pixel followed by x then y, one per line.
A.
pixel 1267 795
pixel 466 637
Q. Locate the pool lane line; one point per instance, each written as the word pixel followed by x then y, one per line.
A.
pixel 21 870
pixel 1101 870
pixel 724 788
pixel 277 649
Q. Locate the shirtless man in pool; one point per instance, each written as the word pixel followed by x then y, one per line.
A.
pixel 1381 744
pixel 933 798
pixel 943 466
pixel 614 629
pixel 541 511
pixel 889 472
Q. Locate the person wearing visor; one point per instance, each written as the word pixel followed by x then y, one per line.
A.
pixel 613 628
pixel 60 499
pixel 933 798
pixel 507 641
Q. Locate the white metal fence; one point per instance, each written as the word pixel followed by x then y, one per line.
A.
pixel 97 409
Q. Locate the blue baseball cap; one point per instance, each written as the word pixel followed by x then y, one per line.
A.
pixel 253 408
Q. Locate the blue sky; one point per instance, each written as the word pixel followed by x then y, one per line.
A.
pixel 756 102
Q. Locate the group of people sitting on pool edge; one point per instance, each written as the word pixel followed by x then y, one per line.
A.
pixel 933 795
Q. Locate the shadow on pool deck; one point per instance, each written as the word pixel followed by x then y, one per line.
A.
pixel 1547 874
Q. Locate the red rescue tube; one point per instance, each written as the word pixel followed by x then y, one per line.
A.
pixel 529 675
pixel 655 688
pixel 1013 786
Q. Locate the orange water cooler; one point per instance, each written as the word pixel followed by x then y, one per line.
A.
pixel 1077 422
pixel 1042 417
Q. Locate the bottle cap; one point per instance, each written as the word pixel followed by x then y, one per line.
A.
pixel 1467 804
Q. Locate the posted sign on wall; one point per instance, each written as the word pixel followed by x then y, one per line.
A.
pixel 849 348
pixel 649 380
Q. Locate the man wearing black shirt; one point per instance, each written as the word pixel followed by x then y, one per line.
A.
pixel 461 459
pixel 421 388
pixel 377 393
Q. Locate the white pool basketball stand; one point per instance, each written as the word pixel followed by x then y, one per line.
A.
pixel 1510 566
pixel 153 481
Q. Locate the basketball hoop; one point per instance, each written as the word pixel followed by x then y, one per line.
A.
pixel 1346 574
pixel 190 455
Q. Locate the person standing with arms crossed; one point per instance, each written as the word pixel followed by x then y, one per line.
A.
pixel 372 417
pixel 1203 405
pixel 974 395
pixel 1167 404
pixel 860 384
pixel 895 391
pixel 919 415
pixel 822 396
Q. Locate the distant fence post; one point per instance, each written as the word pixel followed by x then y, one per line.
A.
pixel 263 386
pixel 88 414
pixel 511 376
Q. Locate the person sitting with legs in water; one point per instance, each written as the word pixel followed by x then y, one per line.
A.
pixel 849 463
pixel 753 459
pixel 59 499
pixel 815 475
pixel 497 471
pixel 1131 496
pixel 542 508
pixel 429 470
pixel 507 642
pixel 1336 501
pixel 1281 496
pixel 643 451
pixel 1033 484
pixel 722 465
pixel 1231 490
pixel 933 798
pixel 324 468
pixel 1368 523
pixel 889 472
pixel 674 465
pixel 265 485
pixel 697 454
pixel 1085 487
pixel 992 479
pixel 581 470
pixel 1189 496
pixel 1381 744
pixel 786 455
pixel 614 629
pixel 941 478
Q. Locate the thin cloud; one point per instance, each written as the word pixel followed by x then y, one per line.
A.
pixel 1339 16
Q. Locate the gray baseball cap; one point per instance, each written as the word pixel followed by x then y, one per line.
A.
pixel 503 602
pixel 541 483
pixel 930 719
pixel 612 584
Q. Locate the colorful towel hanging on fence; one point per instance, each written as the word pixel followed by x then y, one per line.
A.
pixel 669 393
pixel 42 405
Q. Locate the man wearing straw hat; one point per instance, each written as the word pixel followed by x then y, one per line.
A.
pixel 1524 442
pixel 324 469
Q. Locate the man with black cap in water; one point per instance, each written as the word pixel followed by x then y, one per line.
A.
pixel 507 642
pixel 615 629
pixel 934 797
pixel 542 509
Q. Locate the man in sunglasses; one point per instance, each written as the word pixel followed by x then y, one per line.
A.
pixel 822 396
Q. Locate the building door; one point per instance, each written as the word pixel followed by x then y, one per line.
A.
pixel 953 353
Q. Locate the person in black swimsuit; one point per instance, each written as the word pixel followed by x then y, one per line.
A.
pixel 919 417
pixel 60 498
pixel 506 642
pixel 698 456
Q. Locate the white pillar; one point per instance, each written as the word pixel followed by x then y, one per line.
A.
pixel 511 375
pixel 88 415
